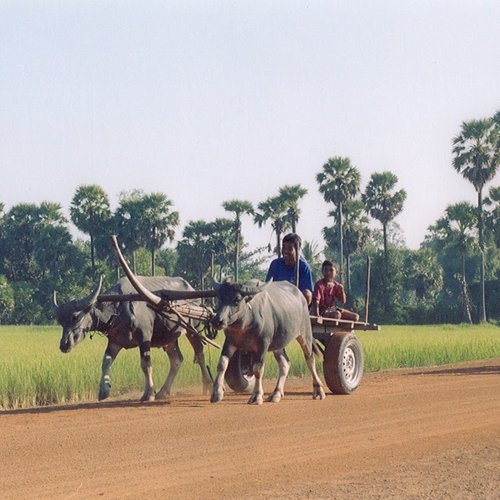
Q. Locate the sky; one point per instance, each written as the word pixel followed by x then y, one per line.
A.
pixel 212 101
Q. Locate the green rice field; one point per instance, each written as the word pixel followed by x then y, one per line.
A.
pixel 33 372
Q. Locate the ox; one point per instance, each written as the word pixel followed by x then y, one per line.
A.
pixel 129 324
pixel 259 319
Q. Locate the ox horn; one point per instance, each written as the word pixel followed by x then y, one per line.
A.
pixel 252 290
pixel 141 289
pixel 55 305
pixel 90 299
pixel 148 295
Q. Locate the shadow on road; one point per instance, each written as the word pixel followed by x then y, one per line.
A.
pixel 84 406
pixel 471 370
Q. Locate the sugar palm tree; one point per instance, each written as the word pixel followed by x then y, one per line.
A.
pixel 382 202
pixel 274 210
pixel 355 232
pixel 158 223
pixel 291 196
pixel 312 255
pixel 89 212
pixel 457 230
pixel 239 208
pixel 338 182
pixel 493 218
pixel 477 156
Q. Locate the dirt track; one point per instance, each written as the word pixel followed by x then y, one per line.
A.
pixel 432 433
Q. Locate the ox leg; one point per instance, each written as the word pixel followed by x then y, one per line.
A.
pixel 199 357
pixel 257 397
pixel 149 390
pixel 284 367
pixel 110 354
pixel 175 358
pixel 218 388
pixel 318 390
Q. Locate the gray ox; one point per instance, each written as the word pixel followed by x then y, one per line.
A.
pixel 129 324
pixel 259 319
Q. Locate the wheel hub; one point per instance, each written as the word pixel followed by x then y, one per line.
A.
pixel 349 364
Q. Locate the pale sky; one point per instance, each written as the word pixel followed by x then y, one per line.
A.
pixel 208 101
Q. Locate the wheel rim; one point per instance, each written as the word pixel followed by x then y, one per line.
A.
pixel 350 366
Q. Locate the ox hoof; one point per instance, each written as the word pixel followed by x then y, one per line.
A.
pixel 216 396
pixel 275 397
pixel 104 391
pixel 148 396
pixel 163 395
pixel 256 399
pixel 318 392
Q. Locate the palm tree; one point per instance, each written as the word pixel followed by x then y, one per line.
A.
pixel 338 182
pixel 457 229
pixel 273 209
pixel 159 223
pixel 477 156
pixel 194 253
pixel 312 255
pixel 239 208
pixel 128 222
pixel 493 218
pixel 89 212
pixel 355 232
pixel 381 202
pixel 290 196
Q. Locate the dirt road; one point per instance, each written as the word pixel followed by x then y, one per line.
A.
pixel 432 433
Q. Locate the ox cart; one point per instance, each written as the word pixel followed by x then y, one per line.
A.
pixel 343 359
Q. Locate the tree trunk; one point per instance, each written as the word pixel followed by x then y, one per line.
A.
pixel 341 242
pixel 483 290
pixel 278 242
pixel 465 293
pixel 92 256
pixel 481 249
pixel 348 271
pixel 237 255
pixel 153 262
pixel 385 240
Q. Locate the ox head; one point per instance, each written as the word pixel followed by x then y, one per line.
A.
pixel 75 317
pixel 233 301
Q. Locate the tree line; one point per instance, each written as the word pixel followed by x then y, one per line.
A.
pixel 452 277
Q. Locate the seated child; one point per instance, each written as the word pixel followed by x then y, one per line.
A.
pixel 327 292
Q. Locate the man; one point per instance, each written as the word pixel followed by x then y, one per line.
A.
pixel 283 268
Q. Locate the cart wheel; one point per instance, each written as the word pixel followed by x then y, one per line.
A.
pixel 343 363
pixel 239 375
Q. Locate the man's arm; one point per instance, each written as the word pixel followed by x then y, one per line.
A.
pixel 271 272
pixel 306 281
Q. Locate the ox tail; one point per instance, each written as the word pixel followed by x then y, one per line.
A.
pixel 317 348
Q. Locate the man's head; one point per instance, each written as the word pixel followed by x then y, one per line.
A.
pixel 329 270
pixel 290 242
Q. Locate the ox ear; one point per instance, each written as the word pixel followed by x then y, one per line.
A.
pixel 216 284
pixel 253 290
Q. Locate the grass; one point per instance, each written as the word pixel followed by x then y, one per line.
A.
pixel 33 372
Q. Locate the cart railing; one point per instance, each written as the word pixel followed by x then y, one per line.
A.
pixel 343 324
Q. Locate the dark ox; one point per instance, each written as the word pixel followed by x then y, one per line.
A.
pixel 130 324
pixel 259 319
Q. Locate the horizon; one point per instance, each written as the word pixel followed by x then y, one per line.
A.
pixel 207 103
